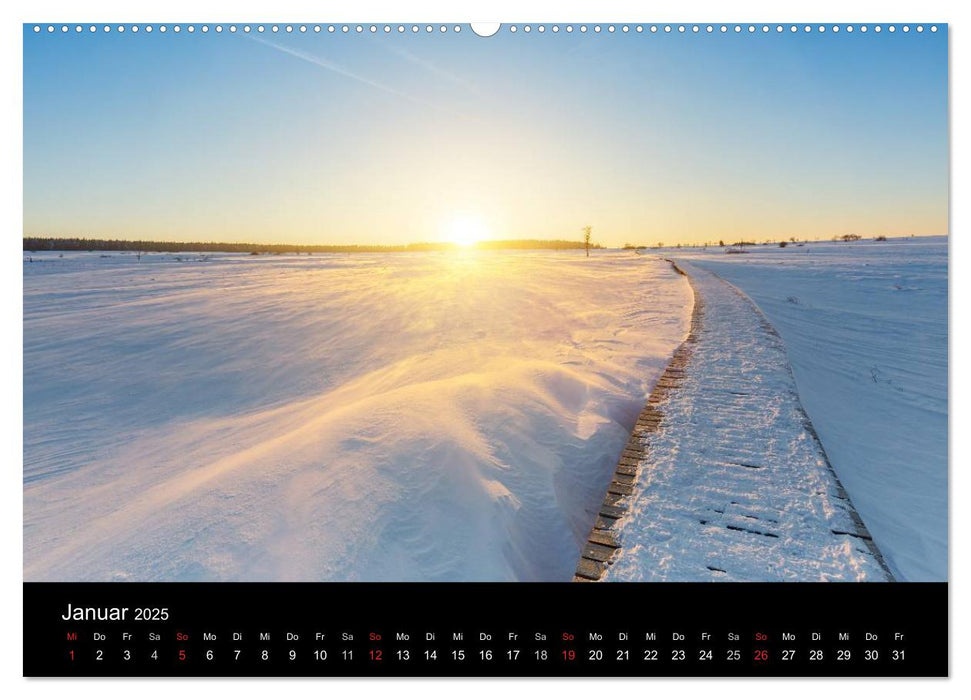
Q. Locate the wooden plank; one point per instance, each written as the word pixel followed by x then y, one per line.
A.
pixel 620 489
pixel 589 569
pixel 613 499
pixel 598 552
pixel 607 538
pixel 613 511
pixel 606 522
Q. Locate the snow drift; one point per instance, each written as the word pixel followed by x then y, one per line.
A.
pixel 343 417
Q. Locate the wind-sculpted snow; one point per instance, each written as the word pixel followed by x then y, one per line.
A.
pixel 341 417
pixel 865 327
pixel 734 485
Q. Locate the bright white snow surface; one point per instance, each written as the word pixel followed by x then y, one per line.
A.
pixel 335 417
pixel 865 326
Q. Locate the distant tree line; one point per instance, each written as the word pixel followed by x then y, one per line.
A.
pixel 847 237
pixel 32 244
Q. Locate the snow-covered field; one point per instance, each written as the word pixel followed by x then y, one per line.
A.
pixel 458 416
pixel 865 327
pixel 340 417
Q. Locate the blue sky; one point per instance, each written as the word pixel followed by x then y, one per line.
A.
pixel 364 138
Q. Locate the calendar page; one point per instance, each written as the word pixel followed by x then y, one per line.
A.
pixel 514 349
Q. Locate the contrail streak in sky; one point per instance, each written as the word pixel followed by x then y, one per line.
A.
pixel 340 70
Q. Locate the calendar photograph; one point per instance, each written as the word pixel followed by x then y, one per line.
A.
pixel 442 303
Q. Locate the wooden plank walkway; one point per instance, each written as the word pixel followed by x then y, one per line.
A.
pixel 752 496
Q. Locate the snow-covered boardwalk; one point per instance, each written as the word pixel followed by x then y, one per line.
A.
pixel 731 482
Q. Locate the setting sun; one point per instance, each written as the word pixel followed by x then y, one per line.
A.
pixel 465 230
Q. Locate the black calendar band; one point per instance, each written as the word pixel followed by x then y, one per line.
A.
pixel 485 629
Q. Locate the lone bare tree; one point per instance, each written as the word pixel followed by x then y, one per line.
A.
pixel 587 231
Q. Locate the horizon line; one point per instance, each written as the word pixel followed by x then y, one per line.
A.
pixel 562 243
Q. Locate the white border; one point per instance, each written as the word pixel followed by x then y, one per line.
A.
pixel 709 11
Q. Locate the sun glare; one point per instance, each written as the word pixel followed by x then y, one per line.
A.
pixel 465 231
